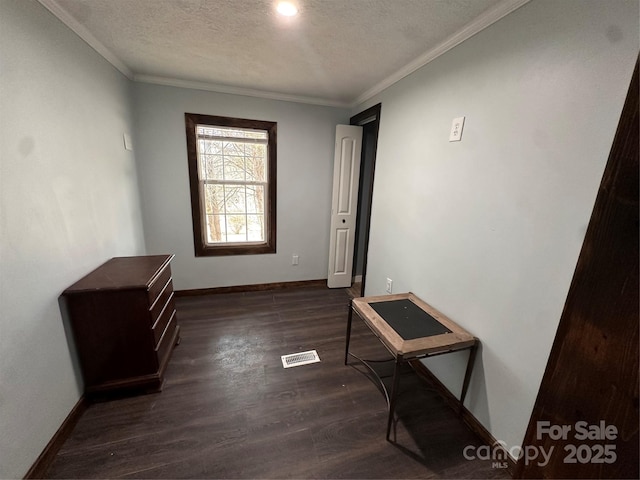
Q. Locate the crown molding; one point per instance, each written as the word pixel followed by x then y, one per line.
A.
pixel 85 35
pixel 212 87
pixel 470 29
pixel 483 21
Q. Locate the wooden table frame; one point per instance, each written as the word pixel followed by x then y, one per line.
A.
pixel 406 350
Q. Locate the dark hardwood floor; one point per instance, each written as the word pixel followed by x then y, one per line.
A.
pixel 229 410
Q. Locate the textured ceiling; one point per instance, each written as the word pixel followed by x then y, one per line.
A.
pixel 334 51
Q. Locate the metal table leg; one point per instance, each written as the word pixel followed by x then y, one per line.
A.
pixel 394 394
pixel 467 374
pixel 346 348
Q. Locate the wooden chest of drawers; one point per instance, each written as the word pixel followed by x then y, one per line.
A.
pixel 124 323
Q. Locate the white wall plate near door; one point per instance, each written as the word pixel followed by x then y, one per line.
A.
pixel 456 129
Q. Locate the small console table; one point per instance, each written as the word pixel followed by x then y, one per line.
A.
pixel 410 329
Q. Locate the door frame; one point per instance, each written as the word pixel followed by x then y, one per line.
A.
pixel 370 116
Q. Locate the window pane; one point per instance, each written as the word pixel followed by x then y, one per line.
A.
pixel 207 146
pixel 234 168
pixel 255 150
pixel 232 148
pixel 212 167
pixel 255 228
pixel 237 228
pixel 255 199
pixel 216 229
pixel 235 198
pixel 256 162
pixel 214 199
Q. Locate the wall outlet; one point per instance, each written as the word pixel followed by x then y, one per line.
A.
pixel 389 285
pixel 295 259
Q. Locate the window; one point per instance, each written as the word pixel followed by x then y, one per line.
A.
pixel 232 174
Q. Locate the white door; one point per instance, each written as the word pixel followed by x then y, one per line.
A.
pixel 344 204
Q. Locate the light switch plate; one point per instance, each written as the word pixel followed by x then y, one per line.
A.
pixel 456 129
pixel 128 143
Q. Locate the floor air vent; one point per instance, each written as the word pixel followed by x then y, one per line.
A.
pixel 301 358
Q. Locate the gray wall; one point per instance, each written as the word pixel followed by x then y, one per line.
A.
pixel 306 135
pixel 69 202
pixel 488 230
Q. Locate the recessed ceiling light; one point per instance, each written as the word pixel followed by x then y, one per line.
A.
pixel 287 9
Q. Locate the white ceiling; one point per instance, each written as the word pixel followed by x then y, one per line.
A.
pixel 334 52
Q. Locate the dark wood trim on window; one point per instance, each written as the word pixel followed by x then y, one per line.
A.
pixel 201 247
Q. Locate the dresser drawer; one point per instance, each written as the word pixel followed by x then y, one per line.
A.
pixel 158 285
pixel 163 319
pixel 161 301
pixel 167 340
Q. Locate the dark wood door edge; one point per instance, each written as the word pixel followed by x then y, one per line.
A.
pixel 41 466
